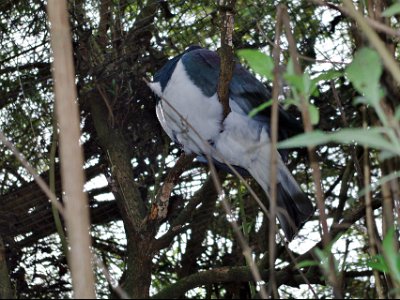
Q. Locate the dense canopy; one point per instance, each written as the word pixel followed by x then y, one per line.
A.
pixel 347 80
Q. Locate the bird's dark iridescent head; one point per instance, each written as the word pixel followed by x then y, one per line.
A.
pixel 165 73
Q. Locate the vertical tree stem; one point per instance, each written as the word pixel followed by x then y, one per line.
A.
pixel 273 159
pixel 5 285
pixel 76 203
pixel 52 185
pixel 326 239
pixel 227 9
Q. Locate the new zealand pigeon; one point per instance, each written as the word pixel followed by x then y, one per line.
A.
pixel 187 89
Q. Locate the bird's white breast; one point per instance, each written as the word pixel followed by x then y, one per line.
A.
pixel 193 119
pixel 186 114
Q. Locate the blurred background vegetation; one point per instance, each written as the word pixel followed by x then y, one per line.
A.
pixel 193 252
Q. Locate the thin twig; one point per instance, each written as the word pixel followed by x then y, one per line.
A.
pixel 116 287
pixel 378 26
pixel 246 250
pixel 52 185
pixel 373 242
pixel 238 233
pixel 308 128
pixel 282 238
pixel 388 60
pixel 40 182
pixel 357 165
pixel 274 158
pixel 332 276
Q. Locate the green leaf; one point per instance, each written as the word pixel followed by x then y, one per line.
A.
pixel 295 80
pixel 364 73
pixel 397 113
pixel 314 138
pixel 314 114
pixel 369 137
pixel 308 86
pixel 384 155
pixel 323 256
pixel 302 83
pixel 290 101
pixel 392 10
pixel 328 75
pixel 290 67
pixel 379 93
pixel 307 263
pixel 259 108
pixel 372 137
pixel 378 263
pixel 392 257
pixel 325 76
pixel 261 63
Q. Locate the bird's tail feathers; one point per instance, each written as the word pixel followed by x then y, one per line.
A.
pixel 293 206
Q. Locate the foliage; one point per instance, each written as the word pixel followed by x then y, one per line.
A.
pixel 354 106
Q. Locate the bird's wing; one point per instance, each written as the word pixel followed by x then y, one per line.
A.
pixel 246 91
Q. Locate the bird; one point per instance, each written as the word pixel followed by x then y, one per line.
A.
pixel 189 111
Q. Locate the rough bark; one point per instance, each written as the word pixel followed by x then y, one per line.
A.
pixel 5 285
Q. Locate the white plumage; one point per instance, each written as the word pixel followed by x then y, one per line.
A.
pixel 190 113
pixel 202 113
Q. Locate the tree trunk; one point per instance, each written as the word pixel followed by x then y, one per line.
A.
pixel 139 266
pixel 5 285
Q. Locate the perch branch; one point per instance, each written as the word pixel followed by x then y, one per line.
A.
pixel 159 208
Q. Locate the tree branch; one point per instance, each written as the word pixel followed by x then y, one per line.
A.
pixel 6 291
pixel 207 191
pixel 159 208
pixel 71 154
pixel 284 276
pixel 227 11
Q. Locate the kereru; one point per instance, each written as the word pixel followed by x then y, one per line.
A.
pixel 187 89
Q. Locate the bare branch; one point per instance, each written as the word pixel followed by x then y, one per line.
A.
pixel 159 208
pixel 387 58
pixel 40 182
pixel 274 155
pixel 378 26
pixel 312 155
pixel 76 202
pixel 227 11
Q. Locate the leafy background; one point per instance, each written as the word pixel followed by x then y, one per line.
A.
pixel 352 97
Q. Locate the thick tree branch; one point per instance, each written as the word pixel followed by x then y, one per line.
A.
pixel 224 274
pixel 104 24
pixel 6 291
pixel 119 155
pixel 159 208
pixel 207 192
pixel 285 276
